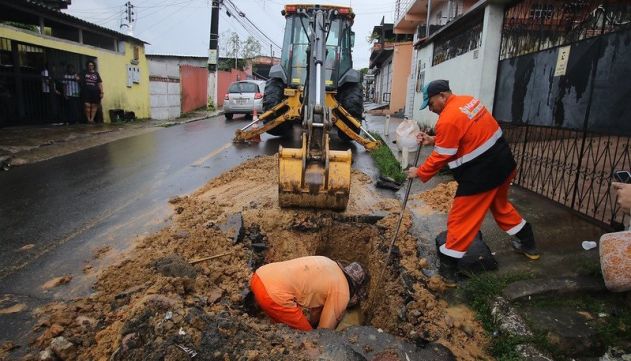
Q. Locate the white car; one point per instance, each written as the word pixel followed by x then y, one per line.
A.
pixel 243 97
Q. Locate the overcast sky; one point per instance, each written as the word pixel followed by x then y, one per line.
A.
pixel 181 27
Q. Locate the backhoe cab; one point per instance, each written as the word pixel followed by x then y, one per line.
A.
pixel 314 84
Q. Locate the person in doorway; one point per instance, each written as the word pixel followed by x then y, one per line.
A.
pixel 470 141
pixel 72 102
pixel 92 87
pixel 317 283
pixel 50 93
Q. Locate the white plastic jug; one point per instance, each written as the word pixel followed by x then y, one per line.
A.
pixel 406 135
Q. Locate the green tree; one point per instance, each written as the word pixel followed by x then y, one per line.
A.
pixel 250 48
pixel 232 45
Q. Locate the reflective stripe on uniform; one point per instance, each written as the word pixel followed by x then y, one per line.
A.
pixel 477 151
pixel 445 151
pixel 450 252
pixel 513 231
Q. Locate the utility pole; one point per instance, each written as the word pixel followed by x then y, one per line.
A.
pixel 214 36
pixel 213 53
pixel 129 18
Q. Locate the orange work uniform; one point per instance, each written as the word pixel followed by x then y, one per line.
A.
pixel 282 289
pixel 470 141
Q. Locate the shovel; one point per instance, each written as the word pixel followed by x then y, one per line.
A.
pixel 396 230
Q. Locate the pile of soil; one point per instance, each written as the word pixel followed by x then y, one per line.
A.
pixel 155 304
pixel 440 197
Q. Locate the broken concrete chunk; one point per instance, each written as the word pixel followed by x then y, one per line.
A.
pixel 509 321
pixel 214 295
pixel 233 228
pixel 360 218
pixel 47 355
pixel 528 352
pixel 63 348
pixel 520 289
pixel 174 266
pixel 340 353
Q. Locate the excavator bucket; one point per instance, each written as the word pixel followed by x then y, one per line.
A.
pixel 309 183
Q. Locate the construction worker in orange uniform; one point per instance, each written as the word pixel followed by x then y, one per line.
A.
pixel 317 283
pixel 470 141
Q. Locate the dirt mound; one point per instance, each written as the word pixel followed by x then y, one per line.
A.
pixel 155 305
pixel 440 197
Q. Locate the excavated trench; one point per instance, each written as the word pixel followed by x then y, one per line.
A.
pixel 155 304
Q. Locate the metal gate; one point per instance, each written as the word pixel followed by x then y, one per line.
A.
pixel 564 100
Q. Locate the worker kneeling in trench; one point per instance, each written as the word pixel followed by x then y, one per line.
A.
pixel 325 287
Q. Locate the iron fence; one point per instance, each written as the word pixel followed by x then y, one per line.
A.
pixel 535 25
pixel 571 167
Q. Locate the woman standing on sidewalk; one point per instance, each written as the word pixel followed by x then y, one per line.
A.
pixel 92 91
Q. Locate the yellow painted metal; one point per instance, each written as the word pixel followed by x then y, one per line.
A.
pixel 338 113
pixel 289 109
pixel 304 182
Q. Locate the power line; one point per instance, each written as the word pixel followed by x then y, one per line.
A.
pixel 170 14
pixel 251 32
pixel 248 28
pixel 243 15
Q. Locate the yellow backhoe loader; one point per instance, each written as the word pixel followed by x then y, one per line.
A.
pixel 314 84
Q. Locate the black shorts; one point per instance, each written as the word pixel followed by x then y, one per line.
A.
pixel 92 96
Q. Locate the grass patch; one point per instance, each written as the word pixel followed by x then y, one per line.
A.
pixel 479 292
pixel 385 161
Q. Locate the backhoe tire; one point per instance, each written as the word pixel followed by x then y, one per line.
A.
pixel 350 96
pixel 274 95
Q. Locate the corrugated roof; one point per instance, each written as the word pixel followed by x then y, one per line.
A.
pixel 53 13
pixel 178 56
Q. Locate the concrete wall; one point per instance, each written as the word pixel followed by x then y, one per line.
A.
pixel 112 66
pixel 166 86
pixel 169 66
pixel 473 73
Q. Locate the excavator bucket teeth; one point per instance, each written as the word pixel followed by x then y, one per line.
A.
pixel 314 184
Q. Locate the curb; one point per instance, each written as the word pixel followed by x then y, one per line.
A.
pixel 196 119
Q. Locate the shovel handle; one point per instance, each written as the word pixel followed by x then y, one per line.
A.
pixel 211 257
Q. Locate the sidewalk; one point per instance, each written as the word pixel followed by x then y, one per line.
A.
pixel 574 324
pixel 22 145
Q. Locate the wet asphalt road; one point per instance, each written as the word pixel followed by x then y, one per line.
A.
pixel 57 213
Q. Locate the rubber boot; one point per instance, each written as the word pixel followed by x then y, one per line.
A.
pixel 448 269
pixel 525 243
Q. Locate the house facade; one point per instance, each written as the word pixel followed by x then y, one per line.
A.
pixel 390 58
pixel 454 40
pixel 35 37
